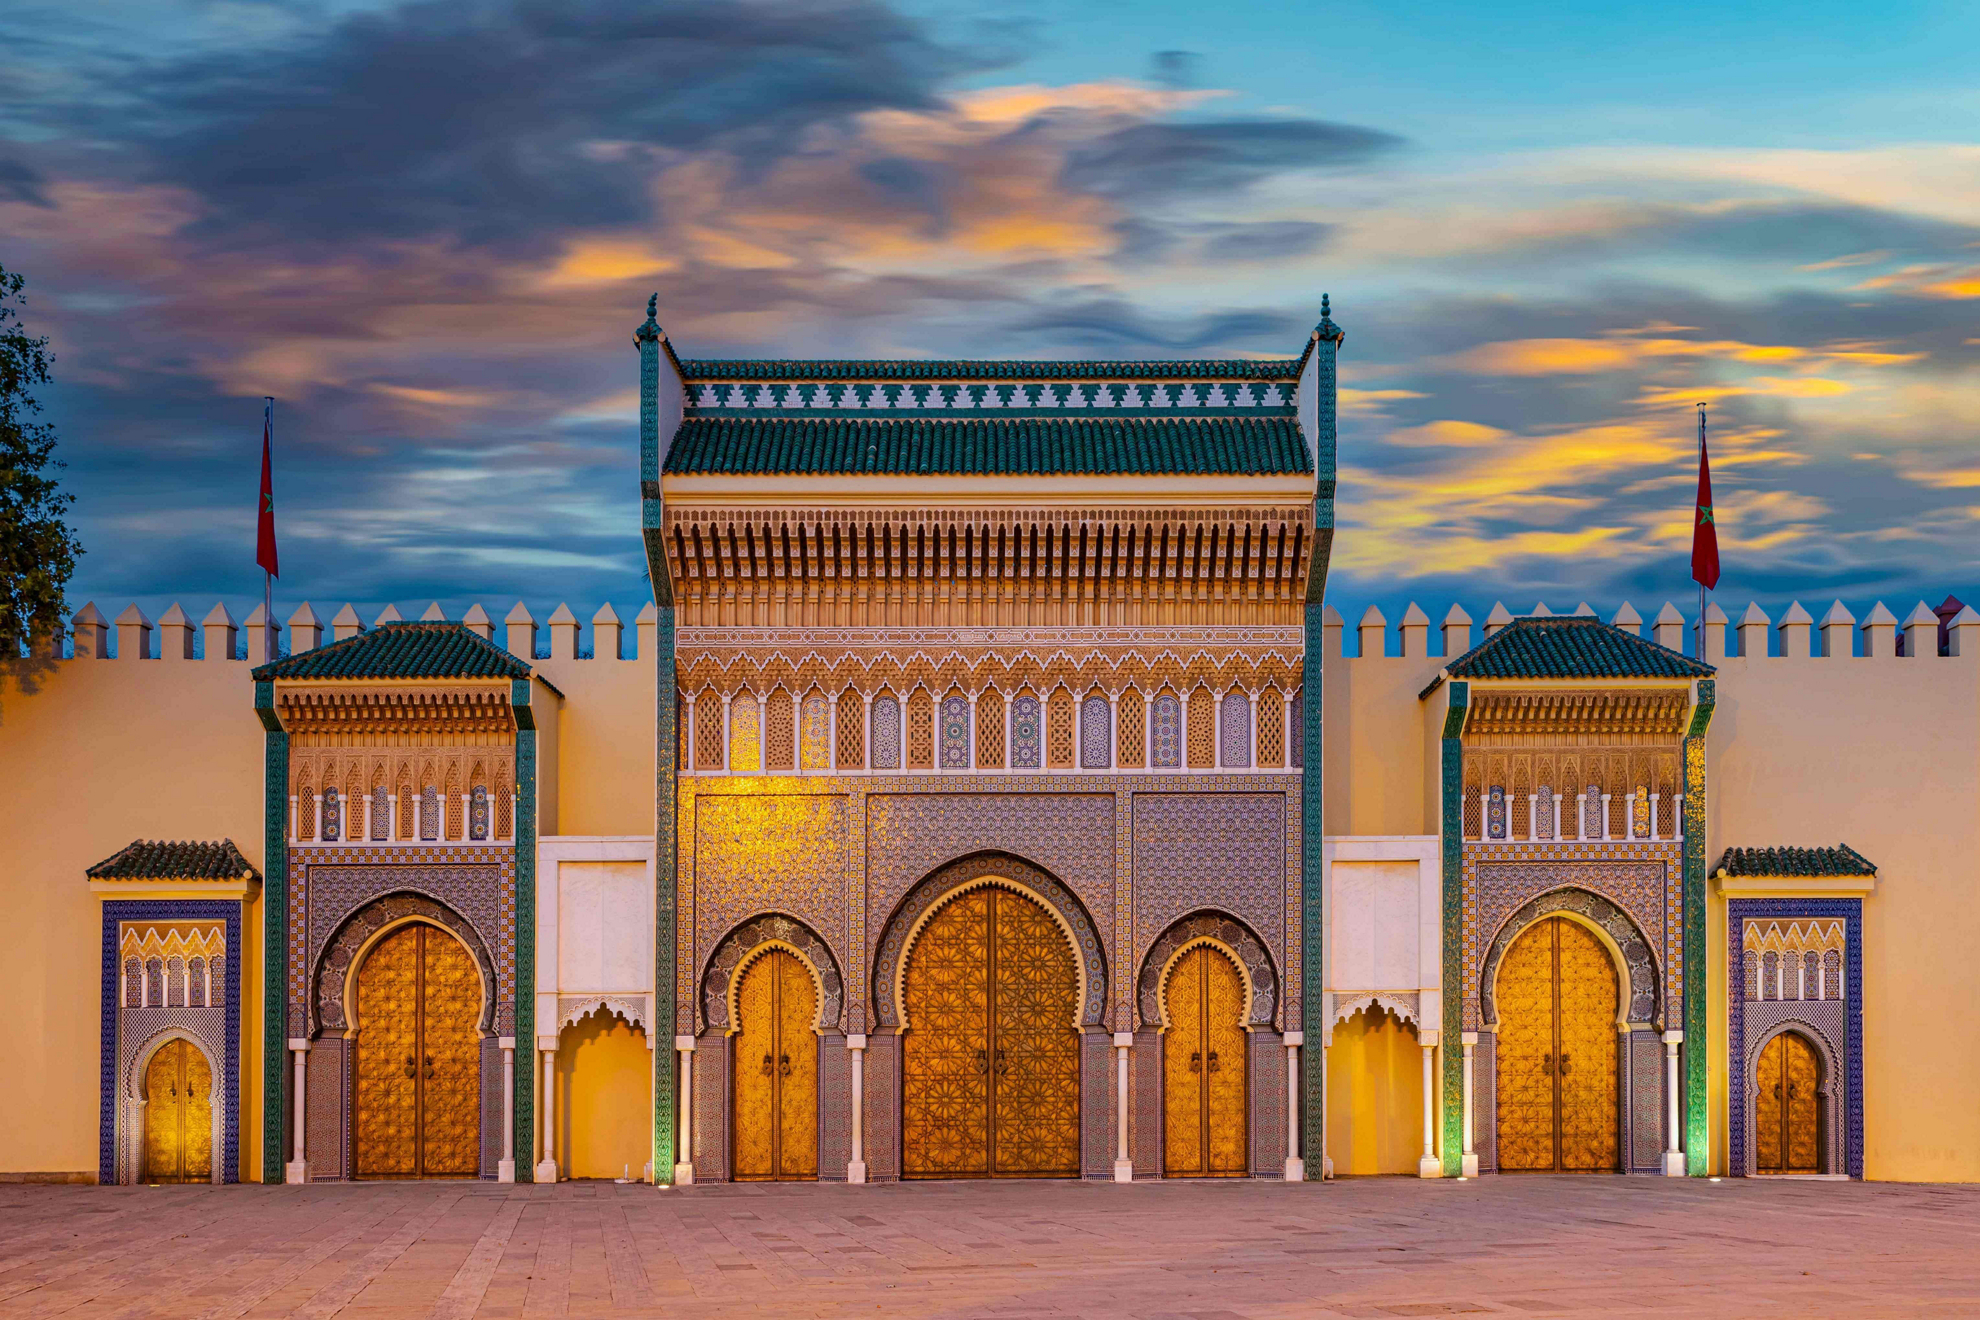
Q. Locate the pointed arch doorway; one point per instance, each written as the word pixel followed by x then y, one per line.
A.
pixel 1558 998
pixel 990 1064
pixel 417 1100
pixel 1204 1091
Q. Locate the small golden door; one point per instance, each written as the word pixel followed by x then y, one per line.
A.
pixel 178 1115
pixel 1203 1069
pixel 1786 1123
pixel 776 1072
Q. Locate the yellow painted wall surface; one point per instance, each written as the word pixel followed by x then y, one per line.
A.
pixel 1883 754
pixel 1375 744
pixel 605 744
pixel 100 753
pixel 1374 1095
pixel 604 1098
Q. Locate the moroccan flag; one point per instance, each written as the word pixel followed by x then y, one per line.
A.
pixel 1704 532
pixel 264 541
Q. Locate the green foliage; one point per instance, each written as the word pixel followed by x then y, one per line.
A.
pixel 37 550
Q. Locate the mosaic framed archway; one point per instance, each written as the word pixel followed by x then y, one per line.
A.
pixel 749 938
pixel 1639 965
pixel 1212 927
pixel 1833 1023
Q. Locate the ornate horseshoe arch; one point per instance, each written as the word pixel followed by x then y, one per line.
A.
pixel 972 872
pixel 1829 1088
pixel 1232 935
pixel 1621 934
pixel 741 946
pixel 333 971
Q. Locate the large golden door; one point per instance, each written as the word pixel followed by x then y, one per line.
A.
pixel 1786 1126
pixel 990 1066
pixel 1203 1069
pixel 1557 1099
pixel 178 1115
pixel 776 1067
pixel 418 1102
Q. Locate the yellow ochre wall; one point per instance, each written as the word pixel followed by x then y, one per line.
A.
pixel 1883 754
pixel 98 753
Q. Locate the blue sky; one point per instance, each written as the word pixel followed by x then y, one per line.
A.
pixel 427 230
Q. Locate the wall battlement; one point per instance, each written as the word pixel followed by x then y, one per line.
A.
pixel 1924 633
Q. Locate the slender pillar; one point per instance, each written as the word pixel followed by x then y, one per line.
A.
pixel 1430 1166
pixel 1326 1160
pixel 832 732
pixel 684 1162
pixel 726 698
pixel 856 1170
pixel 1673 1153
pixel 1295 1166
pixel 1113 730
pixel 298 1170
pixel 866 738
pixel 1469 1168
pixel 546 1168
pixel 505 1168
pixel 1123 1166
pixel 687 742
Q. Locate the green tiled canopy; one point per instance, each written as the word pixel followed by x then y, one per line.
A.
pixel 699 369
pixel 1839 860
pixel 1036 445
pixel 161 859
pixel 1572 646
pixel 403 650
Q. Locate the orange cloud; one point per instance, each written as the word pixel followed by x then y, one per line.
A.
pixel 1951 282
pixel 1783 387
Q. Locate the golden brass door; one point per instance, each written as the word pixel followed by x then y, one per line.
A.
pixel 178 1115
pixel 776 1072
pixel 1557 1100
pixel 990 1063
pixel 1786 1124
pixel 1204 1069
pixel 418 1095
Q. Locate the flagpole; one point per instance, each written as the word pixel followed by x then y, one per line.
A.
pixel 1701 585
pixel 267 578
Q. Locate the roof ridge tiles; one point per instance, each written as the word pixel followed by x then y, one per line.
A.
pixel 1571 646
pixel 406 648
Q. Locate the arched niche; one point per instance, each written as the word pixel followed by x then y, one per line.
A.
pixel 361 929
pixel 1626 945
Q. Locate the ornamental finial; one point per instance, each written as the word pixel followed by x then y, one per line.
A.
pixel 650 332
pixel 1327 330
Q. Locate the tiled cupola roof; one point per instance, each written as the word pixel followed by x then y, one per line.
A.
pixel 1028 446
pixel 161 859
pixel 403 650
pixel 1839 860
pixel 700 369
pixel 1572 646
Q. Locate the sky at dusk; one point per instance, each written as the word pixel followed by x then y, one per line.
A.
pixel 429 229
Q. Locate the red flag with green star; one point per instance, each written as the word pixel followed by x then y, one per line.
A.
pixel 1704 531
pixel 264 546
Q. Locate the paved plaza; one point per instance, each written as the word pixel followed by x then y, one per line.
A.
pixel 1218 1251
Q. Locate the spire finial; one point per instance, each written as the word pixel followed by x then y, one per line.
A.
pixel 650 332
pixel 1327 330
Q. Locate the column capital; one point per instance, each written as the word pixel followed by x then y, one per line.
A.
pixel 856 1041
pixel 1294 1038
pixel 685 1044
pixel 299 1046
pixel 1467 1038
pixel 1674 1038
pixel 1123 1040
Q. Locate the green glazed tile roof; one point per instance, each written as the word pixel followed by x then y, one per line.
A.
pixel 1004 369
pixel 1035 445
pixel 1839 860
pixel 1572 646
pixel 403 650
pixel 160 859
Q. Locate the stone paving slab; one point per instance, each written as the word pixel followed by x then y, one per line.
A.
pixel 1376 1248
